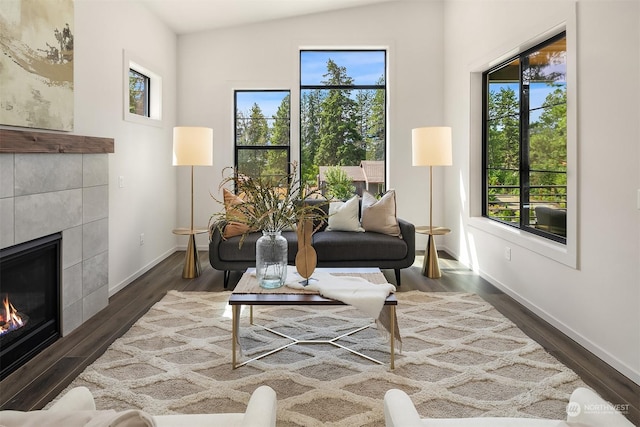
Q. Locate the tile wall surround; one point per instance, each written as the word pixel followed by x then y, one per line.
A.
pixel 41 194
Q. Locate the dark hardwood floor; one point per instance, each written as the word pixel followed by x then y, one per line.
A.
pixel 36 383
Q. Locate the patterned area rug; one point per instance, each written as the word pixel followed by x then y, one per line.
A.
pixel 460 358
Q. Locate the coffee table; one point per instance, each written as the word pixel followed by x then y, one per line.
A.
pixel 247 292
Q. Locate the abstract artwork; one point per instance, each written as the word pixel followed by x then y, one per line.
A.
pixel 36 64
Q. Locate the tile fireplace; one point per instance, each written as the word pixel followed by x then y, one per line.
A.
pixel 58 184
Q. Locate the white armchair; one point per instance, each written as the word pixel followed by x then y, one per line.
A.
pixel 590 410
pixel 77 408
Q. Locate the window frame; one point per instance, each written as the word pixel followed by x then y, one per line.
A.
pixel 524 146
pixel 384 87
pixel 238 148
pixel 130 61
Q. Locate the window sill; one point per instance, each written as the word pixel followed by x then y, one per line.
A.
pixel 142 120
pixel 563 254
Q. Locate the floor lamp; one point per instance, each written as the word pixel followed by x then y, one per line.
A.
pixel 192 146
pixel 431 146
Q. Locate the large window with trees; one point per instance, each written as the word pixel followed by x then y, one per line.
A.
pixel 262 133
pixel 343 118
pixel 525 140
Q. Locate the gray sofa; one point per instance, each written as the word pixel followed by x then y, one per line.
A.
pixel 334 249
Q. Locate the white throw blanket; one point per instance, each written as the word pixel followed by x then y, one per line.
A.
pixel 356 291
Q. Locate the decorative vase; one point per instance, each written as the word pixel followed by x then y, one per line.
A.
pixel 271 260
pixel 306 258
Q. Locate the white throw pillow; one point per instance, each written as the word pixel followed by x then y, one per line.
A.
pixel 343 216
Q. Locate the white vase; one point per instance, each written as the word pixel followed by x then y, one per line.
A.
pixel 271 260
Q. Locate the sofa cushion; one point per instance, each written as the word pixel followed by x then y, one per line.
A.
pixel 229 251
pixel 380 215
pixel 234 216
pixel 76 399
pixel 107 418
pixel 399 411
pixel 347 245
pixel 344 216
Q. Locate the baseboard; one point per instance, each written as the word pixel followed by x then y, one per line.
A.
pixel 126 282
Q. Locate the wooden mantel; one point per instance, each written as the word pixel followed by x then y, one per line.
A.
pixel 18 141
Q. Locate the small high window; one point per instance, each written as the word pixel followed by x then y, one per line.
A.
pixel 139 88
pixel 142 84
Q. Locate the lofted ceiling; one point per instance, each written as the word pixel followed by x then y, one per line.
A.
pixel 189 16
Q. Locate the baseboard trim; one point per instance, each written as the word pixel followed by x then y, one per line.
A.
pixel 126 282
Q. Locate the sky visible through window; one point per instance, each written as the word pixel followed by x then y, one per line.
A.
pixel 364 67
pixel 269 101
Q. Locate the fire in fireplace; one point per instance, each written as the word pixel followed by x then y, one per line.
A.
pixel 29 300
pixel 10 319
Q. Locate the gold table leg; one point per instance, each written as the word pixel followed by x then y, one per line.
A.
pixel 235 319
pixel 430 265
pixel 392 311
pixel 192 267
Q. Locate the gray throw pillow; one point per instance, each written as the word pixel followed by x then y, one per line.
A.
pixel 380 215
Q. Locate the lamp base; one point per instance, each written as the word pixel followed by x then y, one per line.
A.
pixel 430 265
pixel 192 266
pixel 191 260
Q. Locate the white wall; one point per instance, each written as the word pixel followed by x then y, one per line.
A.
pixel 213 64
pixel 597 301
pixel 143 154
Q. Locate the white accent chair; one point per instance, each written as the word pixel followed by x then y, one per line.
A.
pixel 77 408
pixel 589 410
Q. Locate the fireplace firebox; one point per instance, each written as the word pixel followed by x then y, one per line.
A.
pixel 29 300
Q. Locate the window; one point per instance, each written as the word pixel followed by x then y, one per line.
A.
pixel 343 117
pixel 138 93
pixel 142 84
pixel 525 140
pixel 262 132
